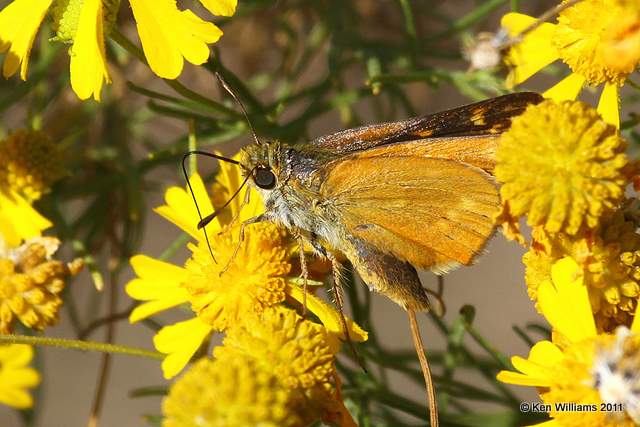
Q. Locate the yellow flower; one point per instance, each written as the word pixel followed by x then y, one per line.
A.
pixel 168 36
pixel 234 393
pixel 16 377
pixel 580 366
pixel 29 163
pixel 297 349
pixel 31 283
pixel 609 258
pixel 562 166
pixel 257 278
pixel 585 37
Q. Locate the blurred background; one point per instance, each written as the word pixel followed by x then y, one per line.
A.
pixel 303 69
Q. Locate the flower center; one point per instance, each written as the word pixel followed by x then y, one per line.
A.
pixel 562 166
pixel 253 280
pixel 29 163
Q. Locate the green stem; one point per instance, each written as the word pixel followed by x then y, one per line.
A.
pixel 468 20
pixel 177 244
pixel 80 345
pixel 408 18
pixel 503 362
pixel 126 44
pixel 193 146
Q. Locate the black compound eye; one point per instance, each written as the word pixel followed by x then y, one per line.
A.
pixel 265 178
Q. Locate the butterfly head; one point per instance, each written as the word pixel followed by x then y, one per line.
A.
pixel 262 163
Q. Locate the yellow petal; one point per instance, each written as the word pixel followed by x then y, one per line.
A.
pixel 221 7
pixel 635 326
pixel 550 423
pixel 609 105
pixel 330 318
pixel 193 36
pixel 148 309
pixel 88 59
pixel 520 379
pixel 565 303
pixel 165 278
pixel 16 355
pixel 16 376
pixel 16 398
pixel 543 355
pixel 19 23
pixel 21 378
pixel 179 342
pixel 567 89
pixel 157 43
pixel 158 284
pixel 181 210
pixel 534 52
pixel 546 353
pixel 169 35
pixel 18 220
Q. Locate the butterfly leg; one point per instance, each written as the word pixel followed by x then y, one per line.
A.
pixel 337 291
pixel 438 295
pixel 250 221
pixel 303 238
pixel 245 202
pixel 304 272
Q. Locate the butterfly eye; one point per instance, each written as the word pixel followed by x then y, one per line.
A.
pixel 265 178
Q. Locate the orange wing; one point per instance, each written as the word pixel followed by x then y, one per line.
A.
pixel 434 213
pixel 477 150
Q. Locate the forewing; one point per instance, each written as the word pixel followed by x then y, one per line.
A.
pixel 478 150
pixel 434 213
pixel 489 117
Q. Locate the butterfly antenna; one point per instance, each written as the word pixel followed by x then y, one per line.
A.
pixel 193 194
pixel 226 87
pixel 207 219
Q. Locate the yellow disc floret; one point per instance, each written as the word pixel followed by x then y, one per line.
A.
pixel 29 163
pixel 298 350
pixel 254 279
pixel 562 166
pixel 609 258
pixel 234 393
pixel 295 348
